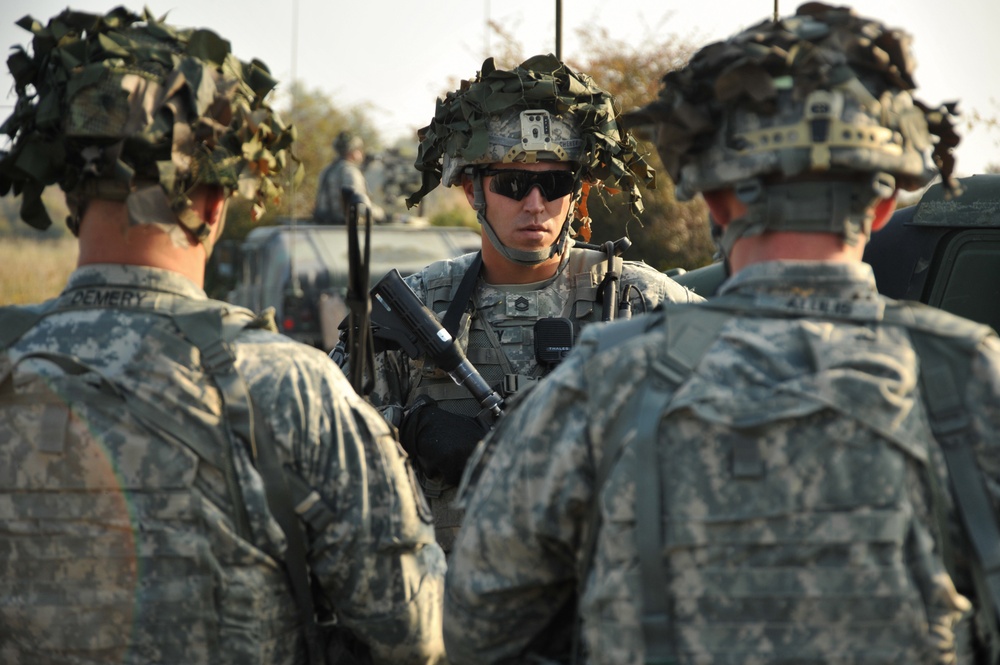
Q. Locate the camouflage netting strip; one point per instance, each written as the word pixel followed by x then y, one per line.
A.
pixel 107 104
pixel 820 47
pixel 459 127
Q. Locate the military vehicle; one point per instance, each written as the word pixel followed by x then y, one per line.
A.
pixel 942 252
pixel 301 269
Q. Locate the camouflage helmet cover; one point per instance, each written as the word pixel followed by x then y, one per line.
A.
pixel 484 122
pixel 823 91
pixel 558 141
pixel 126 107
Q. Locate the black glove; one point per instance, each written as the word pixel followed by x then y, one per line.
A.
pixel 439 441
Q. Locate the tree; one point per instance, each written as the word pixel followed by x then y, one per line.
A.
pixel 669 233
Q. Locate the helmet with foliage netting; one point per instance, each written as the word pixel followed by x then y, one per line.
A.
pixel 821 95
pixel 126 107
pixel 540 110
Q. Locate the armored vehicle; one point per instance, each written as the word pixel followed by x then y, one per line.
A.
pixel 942 252
pixel 301 270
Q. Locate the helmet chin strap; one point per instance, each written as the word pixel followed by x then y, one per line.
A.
pixel 519 256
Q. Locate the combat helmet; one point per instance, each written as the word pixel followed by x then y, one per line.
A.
pixel 541 110
pixel 809 119
pixel 126 107
pixel 346 142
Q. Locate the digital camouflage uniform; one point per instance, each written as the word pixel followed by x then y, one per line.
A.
pixel 793 379
pixel 172 581
pixel 497 336
pixel 135 412
pixel 795 471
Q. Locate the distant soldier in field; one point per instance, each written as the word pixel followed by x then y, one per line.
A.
pixel 795 471
pixel 152 440
pixel 343 172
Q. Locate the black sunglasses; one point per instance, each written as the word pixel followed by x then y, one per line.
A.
pixel 516 184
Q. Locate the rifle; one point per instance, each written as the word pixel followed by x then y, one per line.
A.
pixel 398 316
pixel 359 332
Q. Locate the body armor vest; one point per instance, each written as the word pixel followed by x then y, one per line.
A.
pixel 756 544
pixel 126 538
pixel 498 332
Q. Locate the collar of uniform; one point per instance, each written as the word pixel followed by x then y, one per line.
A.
pixel 854 280
pixel 136 277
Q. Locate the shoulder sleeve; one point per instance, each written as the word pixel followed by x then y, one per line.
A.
pixel 376 560
pixel 651 288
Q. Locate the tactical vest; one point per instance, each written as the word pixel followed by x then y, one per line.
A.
pixel 842 572
pixel 500 335
pixel 500 330
pixel 125 535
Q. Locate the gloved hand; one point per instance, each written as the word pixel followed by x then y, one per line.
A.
pixel 439 441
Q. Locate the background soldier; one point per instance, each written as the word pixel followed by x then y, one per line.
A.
pixel 134 526
pixel 757 478
pixel 526 145
pixel 343 172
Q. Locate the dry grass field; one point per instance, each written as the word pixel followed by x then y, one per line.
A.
pixel 32 270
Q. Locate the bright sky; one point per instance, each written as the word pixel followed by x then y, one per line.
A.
pixel 398 56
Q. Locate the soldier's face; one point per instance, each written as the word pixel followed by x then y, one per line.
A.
pixel 533 222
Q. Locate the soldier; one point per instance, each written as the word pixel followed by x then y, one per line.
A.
pixel 143 425
pixel 344 172
pixel 780 474
pixel 526 146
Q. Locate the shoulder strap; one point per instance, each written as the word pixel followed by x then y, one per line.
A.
pixel 205 329
pixel 691 330
pixel 460 302
pixel 208 330
pixel 945 369
pixel 212 331
pixel 279 500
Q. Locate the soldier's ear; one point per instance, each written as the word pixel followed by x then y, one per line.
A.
pixel 883 211
pixel 468 189
pixel 209 202
pixel 724 206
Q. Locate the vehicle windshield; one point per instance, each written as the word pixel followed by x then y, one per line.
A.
pixel 407 250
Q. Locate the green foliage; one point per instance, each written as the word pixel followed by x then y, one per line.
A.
pixel 456 216
pixel 668 234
